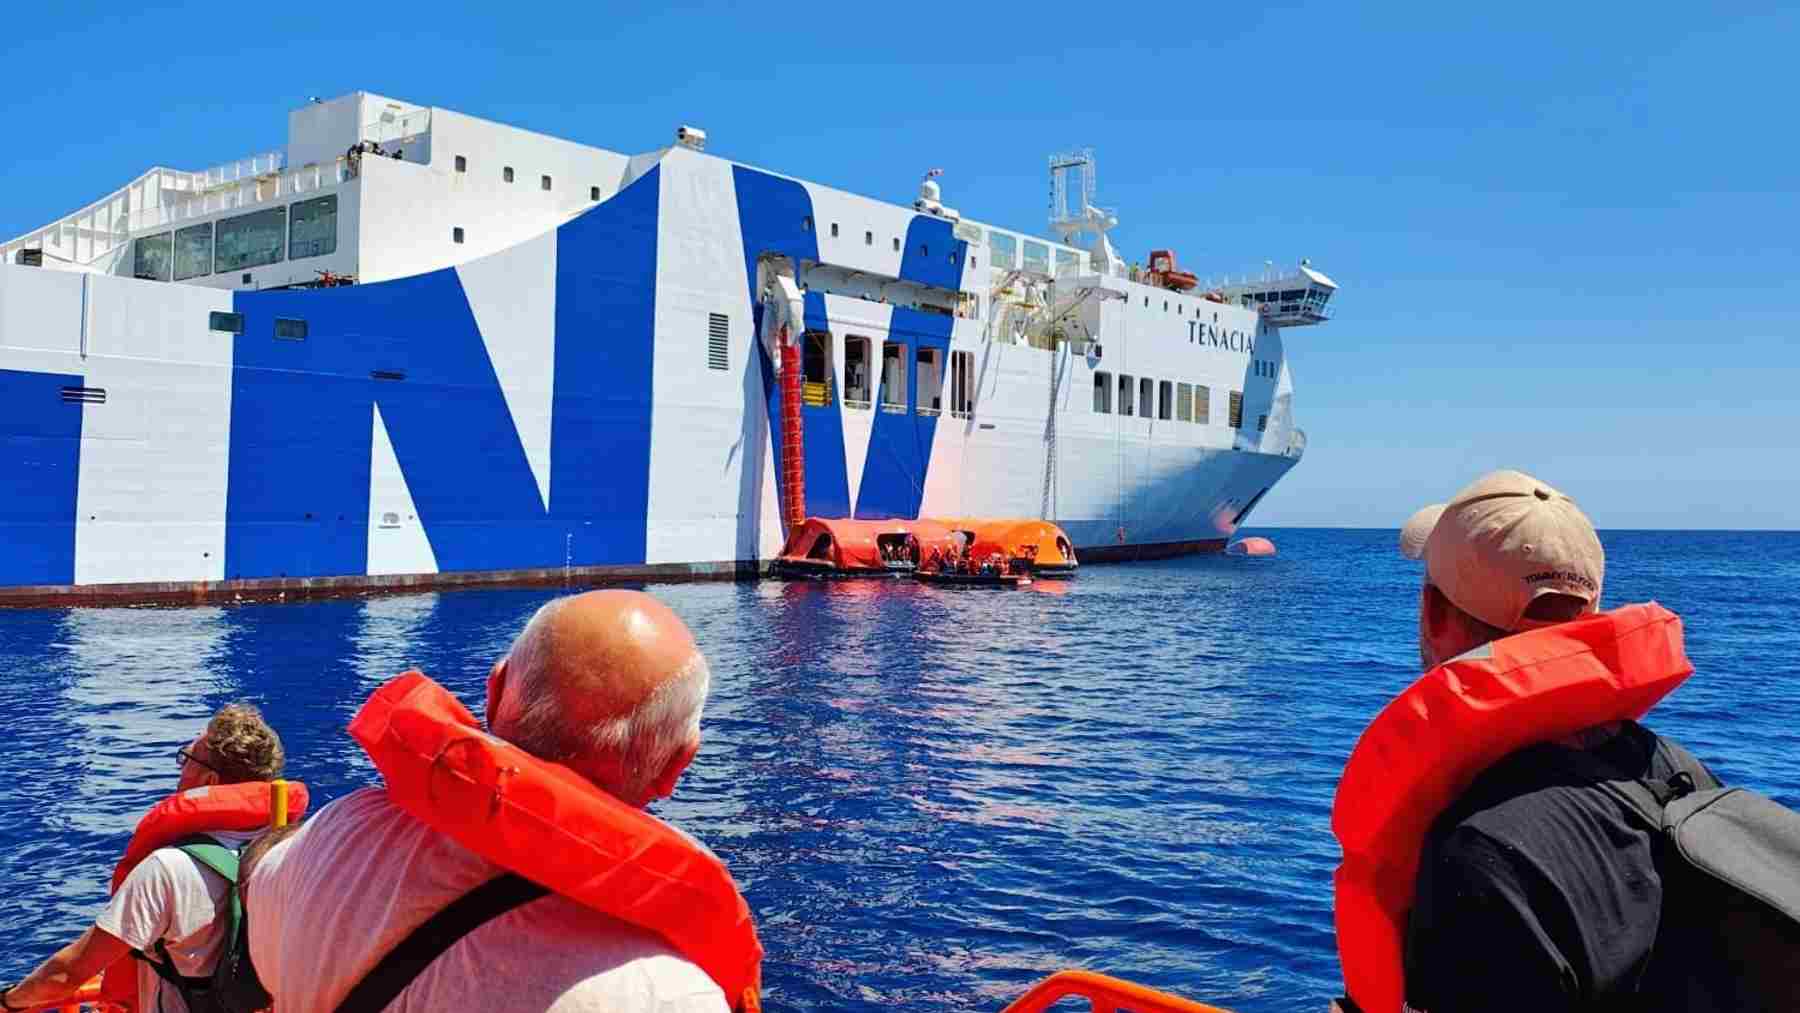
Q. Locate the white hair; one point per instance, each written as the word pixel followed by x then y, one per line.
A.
pixel 642 742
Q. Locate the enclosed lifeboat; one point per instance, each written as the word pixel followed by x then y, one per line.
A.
pixel 827 548
pixel 1024 544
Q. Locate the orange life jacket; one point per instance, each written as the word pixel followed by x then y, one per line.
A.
pixel 550 825
pixel 215 808
pixel 1427 746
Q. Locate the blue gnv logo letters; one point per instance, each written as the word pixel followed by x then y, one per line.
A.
pixel 1213 336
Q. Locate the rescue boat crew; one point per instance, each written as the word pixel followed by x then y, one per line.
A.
pixel 166 907
pixel 1487 867
pixel 608 686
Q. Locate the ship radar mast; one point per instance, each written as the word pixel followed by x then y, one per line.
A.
pixel 1074 218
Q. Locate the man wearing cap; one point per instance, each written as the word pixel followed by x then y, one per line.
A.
pixel 1536 889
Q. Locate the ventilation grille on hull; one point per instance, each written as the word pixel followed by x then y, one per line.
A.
pixel 718 341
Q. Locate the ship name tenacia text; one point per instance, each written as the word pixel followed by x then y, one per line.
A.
pixel 1214 336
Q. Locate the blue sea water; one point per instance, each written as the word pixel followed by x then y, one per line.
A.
pixel 931 797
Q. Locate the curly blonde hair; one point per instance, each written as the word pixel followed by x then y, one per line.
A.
pixel 241 746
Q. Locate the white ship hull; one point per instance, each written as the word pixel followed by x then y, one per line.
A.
pixel 595 401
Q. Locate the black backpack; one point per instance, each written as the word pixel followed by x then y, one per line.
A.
pixel 233 986
pixel 1730 862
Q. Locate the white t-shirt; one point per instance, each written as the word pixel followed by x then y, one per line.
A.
pixel 329 902
pixel 170 897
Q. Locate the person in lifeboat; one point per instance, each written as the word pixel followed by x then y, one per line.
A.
pixel 167 907
pixel 609 687
pixel 1487 866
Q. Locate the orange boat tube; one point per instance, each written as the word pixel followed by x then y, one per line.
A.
pixel 1040 544
pixel 835 547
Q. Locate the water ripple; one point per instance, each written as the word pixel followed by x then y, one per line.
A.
pixel 931 797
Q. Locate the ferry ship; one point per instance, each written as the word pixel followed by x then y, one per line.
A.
pixel 419 348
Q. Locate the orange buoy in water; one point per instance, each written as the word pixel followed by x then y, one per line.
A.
pixel 1251 547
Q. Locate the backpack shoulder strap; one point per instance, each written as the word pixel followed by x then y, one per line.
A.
pixel 223 862
pixel 406 961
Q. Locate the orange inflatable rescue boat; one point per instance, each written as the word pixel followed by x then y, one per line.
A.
pixel 827 548
pixel 1022 542
pixel 1428 745
pixel 550 825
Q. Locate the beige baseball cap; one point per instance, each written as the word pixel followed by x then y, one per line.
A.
pixel 1502 542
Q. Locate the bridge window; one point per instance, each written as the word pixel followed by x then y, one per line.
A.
pixel 815 368
pixel 1202 403
pixel 1037 257
pixel 1184 402
pixel 1068 262
pixel 1165 400
pixel 1236 409
pixel 962 384
pixel 1006 251
pixel 1127 387
pixel 193 251
pixel 152 257
pixel 856 372
pixel 718 341
pixel 893 377
pixel 931 381
pixel 1146 397
pixel 313 228
pixel 1103 393
pixel 250 240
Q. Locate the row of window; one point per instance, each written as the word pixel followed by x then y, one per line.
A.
pixel 1165 399
pixel 305 228
pixel 1004 255
pixel 1181 307
pixel 806 225
pixel 869 384
pixel 506 175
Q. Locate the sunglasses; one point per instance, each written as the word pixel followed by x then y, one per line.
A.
pixel 186 757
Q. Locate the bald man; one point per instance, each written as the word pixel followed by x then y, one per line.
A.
pixel 608 683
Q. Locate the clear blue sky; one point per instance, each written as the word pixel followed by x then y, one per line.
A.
pixel 1568 235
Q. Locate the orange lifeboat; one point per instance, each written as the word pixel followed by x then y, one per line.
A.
pixel 828 548
pixel 1163 272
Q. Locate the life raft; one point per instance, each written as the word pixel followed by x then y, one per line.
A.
pixel 550 825
pixel 213 808
pixel 1428 745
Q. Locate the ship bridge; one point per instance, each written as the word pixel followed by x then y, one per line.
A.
pixel 1295 299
